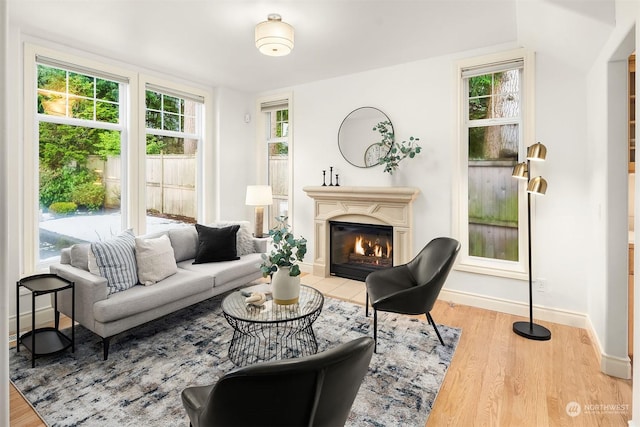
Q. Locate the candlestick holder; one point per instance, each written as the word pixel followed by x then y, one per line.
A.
pixel 324 176
pixel 330 176
pixel 337 184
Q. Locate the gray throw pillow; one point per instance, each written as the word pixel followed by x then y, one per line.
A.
pixel 80 255
pixel 184 241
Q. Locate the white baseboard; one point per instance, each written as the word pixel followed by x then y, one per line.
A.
pixel 619 367
pixel 563 317
pixel 611 365
pixel 44 315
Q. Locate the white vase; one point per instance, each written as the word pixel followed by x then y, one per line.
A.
pixel 285 288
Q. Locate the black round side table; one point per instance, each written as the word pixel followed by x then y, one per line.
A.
pixel 272 331
pixel 44 341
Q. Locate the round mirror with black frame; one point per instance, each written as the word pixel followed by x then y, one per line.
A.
pixel 360 135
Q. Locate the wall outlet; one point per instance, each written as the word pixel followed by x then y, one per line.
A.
pixel 540 285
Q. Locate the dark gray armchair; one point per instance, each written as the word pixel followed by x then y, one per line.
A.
pixel 316 390
pixel 412 288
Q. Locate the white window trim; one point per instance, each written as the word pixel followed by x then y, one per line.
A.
pixel 30 203
pixel 494 267
pixel 205 154
pixel 132 124
pixel 205 177
pixel 262 149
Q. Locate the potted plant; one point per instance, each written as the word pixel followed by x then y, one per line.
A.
pixel 282 262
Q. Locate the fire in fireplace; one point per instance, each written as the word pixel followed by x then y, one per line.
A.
pixel 358 249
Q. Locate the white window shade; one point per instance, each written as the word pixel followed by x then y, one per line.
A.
pixel 280 104
pixel 51 62
pixel 175 93
pixel 495 67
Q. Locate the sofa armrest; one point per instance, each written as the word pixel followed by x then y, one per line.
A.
pixel 89 289
pixel 261 244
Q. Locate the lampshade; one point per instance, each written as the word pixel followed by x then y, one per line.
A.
pixel 520 171
pixel 274 37
pixel 537 152
pixel 259 195
pixel 537 185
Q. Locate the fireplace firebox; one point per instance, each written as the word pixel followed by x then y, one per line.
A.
pixel 358 249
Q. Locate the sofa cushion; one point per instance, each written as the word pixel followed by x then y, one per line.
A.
pixel 216 244
pixel 116 261
pixel 226 271
pixel 155 259
pixel 139 298
pixel 184 241
pixel 244 238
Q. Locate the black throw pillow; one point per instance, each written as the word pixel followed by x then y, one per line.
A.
pixel 216 244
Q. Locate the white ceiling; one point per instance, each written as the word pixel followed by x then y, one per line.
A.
pixel 211 41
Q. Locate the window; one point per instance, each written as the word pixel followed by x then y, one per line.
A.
pixel 495 101
pixel 173 135
pixel 79 136
pixel 277 139
pixel 105 149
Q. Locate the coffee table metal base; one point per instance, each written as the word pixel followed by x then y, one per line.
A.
pixel 259 342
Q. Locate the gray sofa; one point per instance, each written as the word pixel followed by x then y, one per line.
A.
pixel 109 314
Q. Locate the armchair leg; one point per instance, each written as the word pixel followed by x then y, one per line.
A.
pixel 375 330
pixel 430 319
pixel 366 305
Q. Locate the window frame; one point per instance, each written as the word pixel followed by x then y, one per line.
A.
pixel 491 266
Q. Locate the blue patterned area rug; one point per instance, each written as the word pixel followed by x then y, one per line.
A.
pixel 149 366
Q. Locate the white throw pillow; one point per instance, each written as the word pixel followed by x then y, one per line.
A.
pixel 155 259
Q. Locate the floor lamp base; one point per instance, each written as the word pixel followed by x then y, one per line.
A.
pixel 532 331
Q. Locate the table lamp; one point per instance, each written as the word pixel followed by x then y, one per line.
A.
pixel 259 196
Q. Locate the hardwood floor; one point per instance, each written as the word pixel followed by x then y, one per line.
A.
pixel 496 377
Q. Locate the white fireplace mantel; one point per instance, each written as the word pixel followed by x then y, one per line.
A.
pixel 366 205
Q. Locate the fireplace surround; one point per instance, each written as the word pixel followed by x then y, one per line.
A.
pixel 382 206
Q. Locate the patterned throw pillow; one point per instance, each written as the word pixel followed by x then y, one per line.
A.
pixel 244 239
pixel 116 261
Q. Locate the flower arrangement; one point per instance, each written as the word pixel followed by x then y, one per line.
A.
pixel 287 250
pixel 395 152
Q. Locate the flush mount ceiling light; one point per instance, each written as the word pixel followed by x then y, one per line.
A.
pixel 274 37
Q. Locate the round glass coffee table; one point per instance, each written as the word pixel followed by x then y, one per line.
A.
pixel 272 331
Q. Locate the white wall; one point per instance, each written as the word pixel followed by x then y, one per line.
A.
pixel 418 99
pixel 236 156
pixel 606 147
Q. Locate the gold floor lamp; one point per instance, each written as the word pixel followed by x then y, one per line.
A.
pixel 537 185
